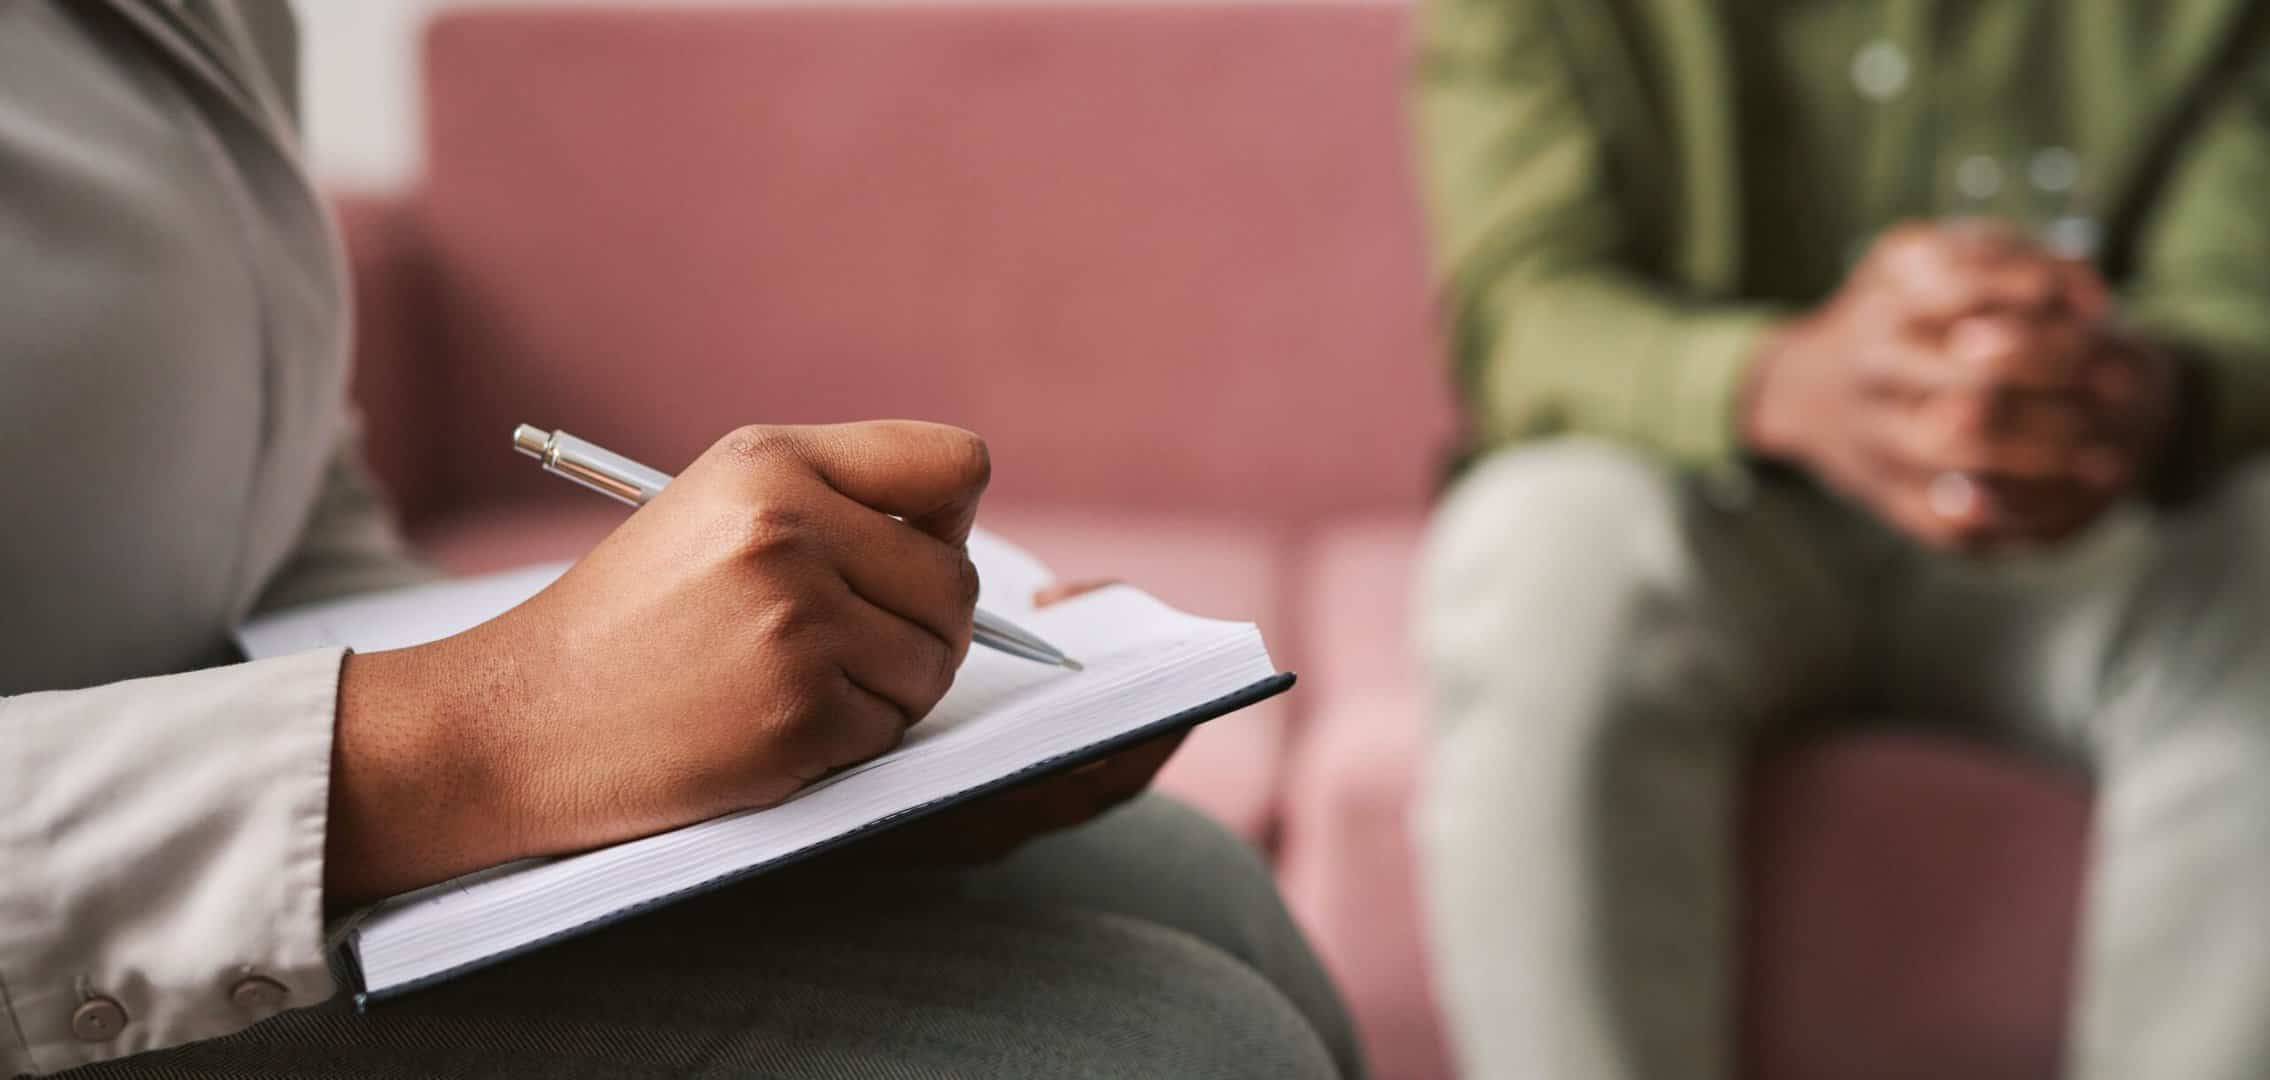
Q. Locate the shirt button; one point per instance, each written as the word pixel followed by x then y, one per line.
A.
pixel 1880 71
pixel 98 1019
pixel 258 993
pixel 1979 179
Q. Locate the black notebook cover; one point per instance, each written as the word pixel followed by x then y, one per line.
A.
pixel 1188 718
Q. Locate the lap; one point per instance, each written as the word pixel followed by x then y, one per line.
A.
pixel 2149 619
pixel 1573 556
pixel 1094 953
pixel 1160 862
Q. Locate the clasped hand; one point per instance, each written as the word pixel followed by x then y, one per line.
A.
pixel 1968 387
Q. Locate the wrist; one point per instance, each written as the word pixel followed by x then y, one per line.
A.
pixel 1765 422
pixel 413 800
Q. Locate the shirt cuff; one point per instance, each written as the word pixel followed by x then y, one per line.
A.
pixel 164 859
pixel 1701 422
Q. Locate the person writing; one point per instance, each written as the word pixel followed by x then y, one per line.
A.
pixel 176 829
pixel 1771 430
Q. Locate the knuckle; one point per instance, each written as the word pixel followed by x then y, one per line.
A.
pixel 760 443
pixel 798 721
pixel 774 529
pixel 1970 415
pixel 876 725
pixel 1994 365
pixel 790 617
pixel 1906 239
pixel 788 733
pixel 837 722
pixel 1954 446
pixel 799 705
pixel 1969 411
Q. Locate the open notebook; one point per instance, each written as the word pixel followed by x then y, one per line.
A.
pixel 1150 669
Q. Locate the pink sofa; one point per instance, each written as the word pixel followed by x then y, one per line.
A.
pixel 1167 260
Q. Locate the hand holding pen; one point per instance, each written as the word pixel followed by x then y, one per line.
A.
pixel 790 604
pixel 629 482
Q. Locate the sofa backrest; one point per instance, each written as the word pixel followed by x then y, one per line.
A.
pixel 1160 256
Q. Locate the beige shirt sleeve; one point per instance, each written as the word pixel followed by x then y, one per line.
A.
pixel 164 858
pixel 164 861
pixel 170 276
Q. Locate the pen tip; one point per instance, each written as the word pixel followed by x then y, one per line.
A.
pixel 1070 664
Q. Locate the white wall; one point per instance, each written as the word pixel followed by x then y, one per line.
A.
pixel 359 79
pixel 360 89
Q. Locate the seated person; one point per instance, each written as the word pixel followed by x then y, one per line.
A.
pixel 1794 406
pixel 174 833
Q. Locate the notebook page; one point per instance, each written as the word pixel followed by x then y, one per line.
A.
pixel 396 618
pixel 1007 575
pixel 1146 662
pixel 1114 629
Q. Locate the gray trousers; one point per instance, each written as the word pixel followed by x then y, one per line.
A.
pixel 1607 641
pixel 1148 943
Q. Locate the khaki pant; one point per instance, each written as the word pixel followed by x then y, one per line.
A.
pixel 1606 640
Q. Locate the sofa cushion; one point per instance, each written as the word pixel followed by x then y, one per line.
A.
pixel 1228 768
pixel 1345 865
pixel 1345 854
pixel 1352 589
pixel 1911 910
pixel 515 534
pixel 1913 904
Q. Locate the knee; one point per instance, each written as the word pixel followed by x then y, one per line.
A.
pixel 1162 867
pixel 1195 844
pixel 1562 503
pixel 1215 1017
pixel 1185 871
pixel 1542 532
pixel 2187 654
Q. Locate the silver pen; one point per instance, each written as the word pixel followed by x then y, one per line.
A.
pixel 618 477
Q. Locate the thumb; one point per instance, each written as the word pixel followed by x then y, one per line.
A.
pixel 930 475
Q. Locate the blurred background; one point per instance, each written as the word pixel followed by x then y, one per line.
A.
pixel 1168 259
pixel 361 92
